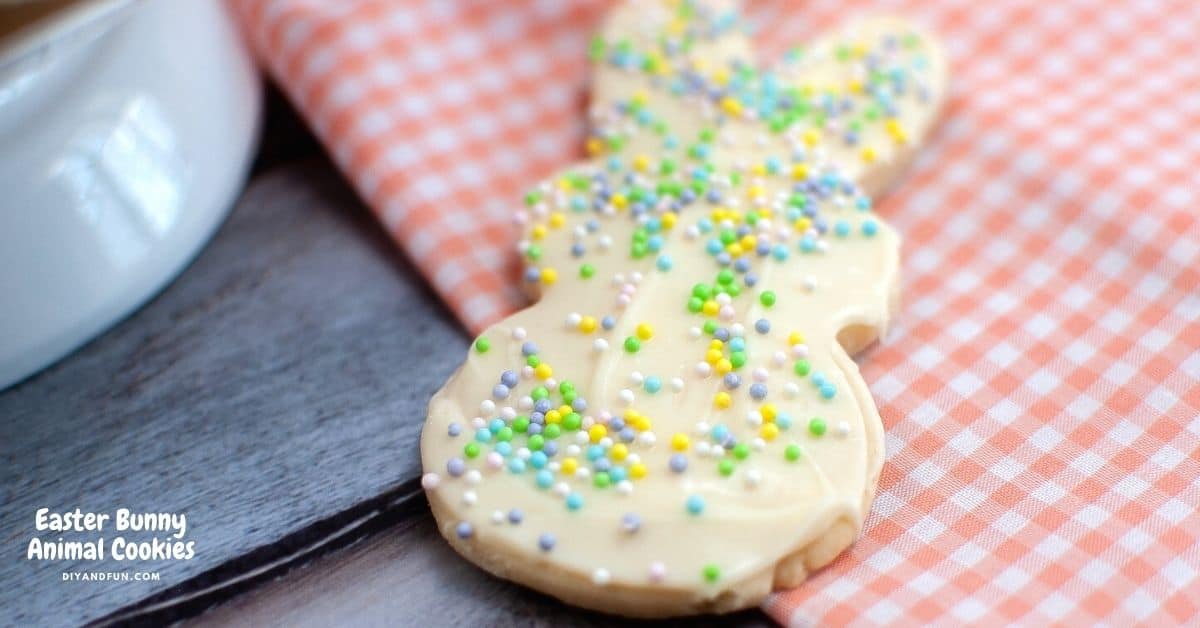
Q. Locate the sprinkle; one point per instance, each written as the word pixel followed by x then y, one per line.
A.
pixel 482 344
pixel 711 573
pixel 430 481
pixel 601 577
pixel 631 522
pixel 753 478
pixel 767 298
pixel 816 426
pixel 546 541
pixel 762 326
pixel 574 501
pixel 469 498
pixel 632 344
pixel 454 429
pixel 695 504
pixel 455 467
pixel 680 442
pixel 678 463
pixel 722 400
pixel 657 572
pixel 792 452
pixel 464 530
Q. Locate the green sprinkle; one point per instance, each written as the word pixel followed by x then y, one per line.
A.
pixel 695 304
pixel 572 421
pixel 539 393
pixel 702 291
pixel 725 467
pixel 802 367
pixel 505 434
pixel 534 252
pixel 521 424
pixel 471 450
pixel 792 452
pixel 552 431
pixel 741 451
pixel 712 573
pixel 586 271
pixel 632 344
pixel 482 344
pixel 533 361
pixel 725 277
pixel 710 326
pixel 816 426
pixel 601 480
pixel 531 198
pixel 536 442
pixel 666 167
pixel 767 298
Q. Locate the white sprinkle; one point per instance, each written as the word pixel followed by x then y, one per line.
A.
pixel 633 458
pixel 842 429
pixel 606 442
pixel 554 466
pixel 637 378
pixel 703 449
pixel 724 299
pixel 695 332
pixel 677 384
pixel 635 277
pixel 526 403
pixel 703 369
pixel 583 473
pixel 760 374
pixel 605 241
pixel 800 350
pixel 647 438
pixel 497 517
pixel 753 478
pixel 474 477
pixel 469 498
pixel 562 489
pixel 702 428
pixel 508 412
pixel 599 345
pixel 658 571
pixel 487 407
pixel 581 438
pixel 524 453
pixel 495 460
pixel 779 358
pixel 573 450
pixel 573 319
pixel 518 333
pixel 601 577
pixel 758 444
pixel 717 451
pixel 754 418
pixel 737 330
pixel 527 372
pixel 625 487
pixel 810 283
pixel 478 423
pixel 551 383
pixel 626 396
pixel 430 481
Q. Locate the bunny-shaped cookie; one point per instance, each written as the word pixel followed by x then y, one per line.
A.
pixel 676 425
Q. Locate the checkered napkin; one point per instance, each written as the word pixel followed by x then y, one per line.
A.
pixel 1041 387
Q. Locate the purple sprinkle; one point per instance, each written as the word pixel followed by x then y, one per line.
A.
pixel 456 467
pixel 500 391
pixel 758 390
pixel 631 522
pixel 454 429
pixel 732 381
pixel 528 348
pixel 546 541
pixel 678 463
pixel 515 516
pixel 464 530
pixel 509 378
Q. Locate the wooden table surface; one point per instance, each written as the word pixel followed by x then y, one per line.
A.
pixel 274 392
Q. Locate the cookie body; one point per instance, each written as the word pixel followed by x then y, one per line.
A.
pixel 676 426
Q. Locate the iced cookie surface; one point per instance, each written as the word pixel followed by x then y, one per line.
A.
pixel 676 426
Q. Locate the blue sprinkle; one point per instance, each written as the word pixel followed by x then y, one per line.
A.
pixel 538 460
pixel 515 516
pixel 464 530
pixel 695 504
pixel 732 381
pixel 545 479
pixel 483 435
pixel 509 378
pixel 500 391
pixel 841 228
pixel 455 467
pixel 528 348
pixel 504 449
pixel 762 326
pixel 574 501
pixel 678 463
pixel 546 542
pixel 828 390
pixel 454 429
pixel 870 228
pixel 608 322
pixel 758 390
pixel 495 425
pixel 664 263
pixel 652 384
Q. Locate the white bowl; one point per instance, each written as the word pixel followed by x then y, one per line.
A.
pixel 126 130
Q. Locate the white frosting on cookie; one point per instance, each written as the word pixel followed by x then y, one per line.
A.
pixel 674 427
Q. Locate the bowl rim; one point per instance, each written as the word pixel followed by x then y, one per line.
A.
pixel 60 25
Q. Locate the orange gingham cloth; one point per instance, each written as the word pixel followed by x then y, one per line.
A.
pixel 1041 387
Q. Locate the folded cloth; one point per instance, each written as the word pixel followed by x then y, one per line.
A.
pixel 1041 388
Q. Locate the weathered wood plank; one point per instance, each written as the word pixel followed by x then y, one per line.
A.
pixel 282 378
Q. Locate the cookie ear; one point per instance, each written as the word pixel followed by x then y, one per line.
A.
pixel 869 94
pixel 641 37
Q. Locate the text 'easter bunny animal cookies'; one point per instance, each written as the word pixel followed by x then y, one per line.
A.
pixel 676 425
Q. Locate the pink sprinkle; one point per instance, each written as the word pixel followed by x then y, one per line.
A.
pixel 658 571
pixel 495 460
pixel 430 481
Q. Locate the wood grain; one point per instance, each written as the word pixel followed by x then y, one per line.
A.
pixel 281 378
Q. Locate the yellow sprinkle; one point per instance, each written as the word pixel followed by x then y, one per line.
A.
pixel 680 442
pixel 644 331
pixel 756 191
pixel 712 356
pixel 637 471
pixel 767 410
pixel 731 106
pixel 734 249
pixel 748 242
pixel 618 451
pixel 855 86
pixel 569 466
pixel 549 275
pixel 597 432
pixel 724 366
pixel 810 137
pixel 802 223
pixel 619 201
pixel 721 77
pixel 894 129
pixel 557 220
pixel 554 416
pixel 799 172
pixel 710 308
pixel 564 409
pixel 640 97
pixel 641 163
pixel 715 344
pixel 543 371
pixel 868 154
pixel 769 431
pixel 538 232
pixel 587 325
pixel 595 146
pixel 758 169
pixel 668 220
pixel 859 50
pixel 795 338
pixel 722 400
